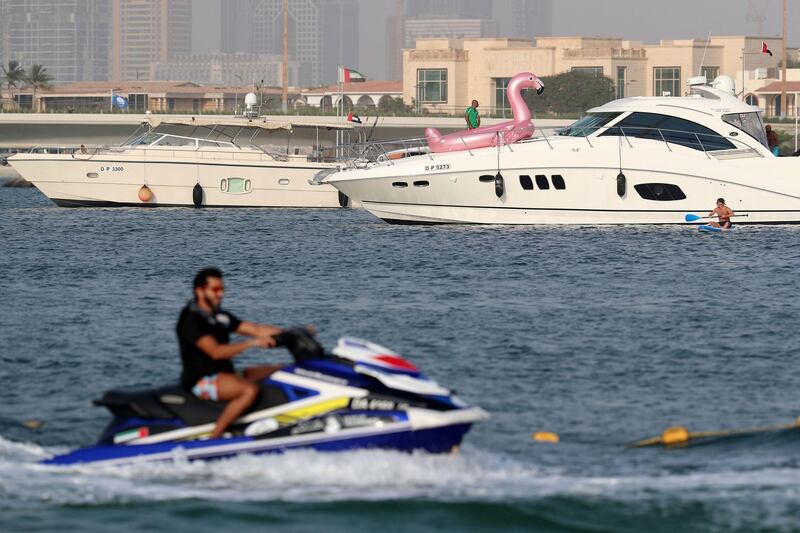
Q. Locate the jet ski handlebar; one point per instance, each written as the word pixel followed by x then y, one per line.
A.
pixel 301 344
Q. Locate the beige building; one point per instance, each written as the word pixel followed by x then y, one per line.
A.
pixel 444 75
pixel 153 96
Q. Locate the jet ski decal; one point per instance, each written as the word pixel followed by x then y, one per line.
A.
pixel 312 410
pixel 133 434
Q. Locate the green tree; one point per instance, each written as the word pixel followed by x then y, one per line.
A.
pixel 13 74
pixel 38 79
pixel 393 106
pixel 571 93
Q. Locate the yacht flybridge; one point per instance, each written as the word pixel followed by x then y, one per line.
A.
pixel 196 161
pixel 643 160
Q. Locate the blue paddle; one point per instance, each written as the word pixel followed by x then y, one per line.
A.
pixel 691 217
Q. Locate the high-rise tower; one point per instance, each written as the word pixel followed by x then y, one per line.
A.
pixel 70 38
pixel 147 31
pixel 322 33
pixel 524 19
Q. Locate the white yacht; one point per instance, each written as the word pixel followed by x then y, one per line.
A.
pixel 643 160
pixel 219 163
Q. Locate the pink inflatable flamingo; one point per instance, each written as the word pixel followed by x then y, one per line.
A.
pixel 505 132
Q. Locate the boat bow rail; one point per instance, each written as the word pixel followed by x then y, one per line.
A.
pixel 363 155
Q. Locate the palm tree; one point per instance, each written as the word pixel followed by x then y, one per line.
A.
pixel 14 74
pixel 38 78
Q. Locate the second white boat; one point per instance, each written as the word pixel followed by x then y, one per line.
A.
pixel 646 160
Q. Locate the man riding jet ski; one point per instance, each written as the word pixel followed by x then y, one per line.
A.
pixel 361 395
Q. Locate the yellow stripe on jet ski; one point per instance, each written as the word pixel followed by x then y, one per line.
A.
pixel 312 410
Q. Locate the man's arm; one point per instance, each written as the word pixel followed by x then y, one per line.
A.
pixel 466 118
pixel 251 329
pixel 218 351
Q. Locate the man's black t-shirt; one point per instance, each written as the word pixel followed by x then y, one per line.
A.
pixel 193 324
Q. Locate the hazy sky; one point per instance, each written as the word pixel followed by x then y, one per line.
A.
pixel 645 20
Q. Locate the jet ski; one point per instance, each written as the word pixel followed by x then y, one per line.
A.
pixel 360 395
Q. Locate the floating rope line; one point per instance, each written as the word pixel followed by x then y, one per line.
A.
pixel 680 435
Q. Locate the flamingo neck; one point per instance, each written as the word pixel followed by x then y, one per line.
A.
pixel 518 106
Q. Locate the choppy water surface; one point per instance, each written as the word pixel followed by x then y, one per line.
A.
pixel 602 335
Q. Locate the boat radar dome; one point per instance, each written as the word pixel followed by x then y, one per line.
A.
pixel 250 101
pixel 725 84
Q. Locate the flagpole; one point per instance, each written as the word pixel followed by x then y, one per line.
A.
pixel 784 100
pixel 339 106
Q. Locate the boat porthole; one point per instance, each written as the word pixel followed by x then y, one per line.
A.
pixel 91 174
pixel 247 186
pixel 283 181
pixel 223 185
pixel 399 184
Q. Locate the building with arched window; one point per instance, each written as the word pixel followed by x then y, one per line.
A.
pixel 362 95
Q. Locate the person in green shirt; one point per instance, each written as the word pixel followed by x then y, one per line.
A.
pixel 472 117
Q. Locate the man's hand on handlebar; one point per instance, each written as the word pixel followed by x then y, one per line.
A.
pixel 267 341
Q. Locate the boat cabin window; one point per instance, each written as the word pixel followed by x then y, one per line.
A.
pixel 750 123
pixel 171 140
pixel 588 124
pixel 209 143
pixel 671 129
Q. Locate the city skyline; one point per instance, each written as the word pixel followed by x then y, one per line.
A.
pixel 74 42
pixel 628 19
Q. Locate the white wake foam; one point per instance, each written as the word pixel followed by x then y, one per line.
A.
pixel 359 475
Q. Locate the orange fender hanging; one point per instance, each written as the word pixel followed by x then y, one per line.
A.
pixel 145 194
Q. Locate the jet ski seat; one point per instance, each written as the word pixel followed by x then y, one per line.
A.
pixel 171 402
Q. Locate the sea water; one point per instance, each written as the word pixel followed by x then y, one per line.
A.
pixel 603 335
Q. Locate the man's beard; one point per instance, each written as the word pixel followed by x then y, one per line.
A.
pixel 214 307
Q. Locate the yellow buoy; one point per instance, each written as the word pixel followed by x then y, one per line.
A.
pixel 33 424
pixel 675 435
pixel 545 436
pixel 145 194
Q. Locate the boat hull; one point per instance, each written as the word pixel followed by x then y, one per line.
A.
pixel 401 438
pixel 578 184
pixel 74 182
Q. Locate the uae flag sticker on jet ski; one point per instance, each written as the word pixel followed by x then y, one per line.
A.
pixel 133 434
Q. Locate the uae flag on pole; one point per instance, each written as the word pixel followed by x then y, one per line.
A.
pixel 765 49
pixel 348 75
pixel 353 118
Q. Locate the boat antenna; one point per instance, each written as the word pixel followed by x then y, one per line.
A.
pixel 708 40
pixel 372 129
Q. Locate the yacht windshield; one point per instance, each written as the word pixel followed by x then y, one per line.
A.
pixel 147 138
pixel 750 123
pixel 588 124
